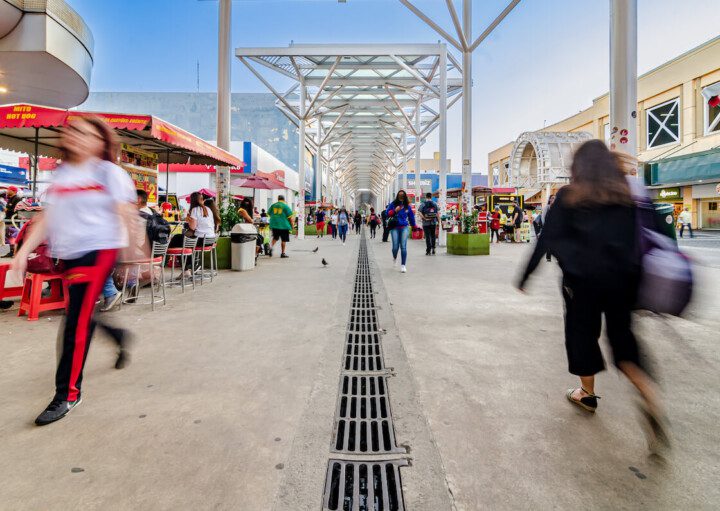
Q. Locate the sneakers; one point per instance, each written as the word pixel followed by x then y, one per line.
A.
pixel 403 269
pixel 284 256
pixel 433 251
pixel 395 262
pixel 56 410
pixel 110 302
pixel 427 252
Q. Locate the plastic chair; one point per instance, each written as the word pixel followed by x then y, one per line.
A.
pixel 156 260
pixel 33 303
pixel 8 292
pixel 207 244
pixel 182 253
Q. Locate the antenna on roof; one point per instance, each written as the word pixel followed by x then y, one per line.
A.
pixel 198 75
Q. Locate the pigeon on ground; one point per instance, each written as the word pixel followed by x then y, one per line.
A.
pixel 324 262
pixel 316 249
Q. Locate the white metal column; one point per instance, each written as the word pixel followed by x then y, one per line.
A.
pixel 222 174
pixel 442 188
pixel 301 164
pixel 318 164
pixel 623 76
pixel 405 164
pixel 418 145
pixel 467 109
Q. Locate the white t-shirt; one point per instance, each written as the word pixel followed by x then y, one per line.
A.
pixel 205 227
pixel 334 218
pixel 82 208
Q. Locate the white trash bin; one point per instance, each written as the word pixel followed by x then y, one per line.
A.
pixel 242 245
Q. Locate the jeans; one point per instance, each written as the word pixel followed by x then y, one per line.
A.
pixel 429 237
pixel 373 227
pixel 109 288
pixel 343 231
pixel 333 230
pixel 399 242
pixel 682 229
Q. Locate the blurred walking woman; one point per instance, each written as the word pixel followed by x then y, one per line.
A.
pixel 591 230
pixel 342 223
pixel 88 219
pixel 400 215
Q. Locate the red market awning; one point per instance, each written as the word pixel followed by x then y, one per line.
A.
pixel 190 167
pixel 257 183
pixel 23 127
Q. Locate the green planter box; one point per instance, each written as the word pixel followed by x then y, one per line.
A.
pixel 468 244
pixel 223 254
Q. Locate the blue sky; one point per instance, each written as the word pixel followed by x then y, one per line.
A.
pixel 546 61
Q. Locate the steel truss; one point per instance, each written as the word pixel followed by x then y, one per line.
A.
pixel 370 107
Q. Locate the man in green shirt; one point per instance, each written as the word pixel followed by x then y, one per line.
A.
pixel 280 223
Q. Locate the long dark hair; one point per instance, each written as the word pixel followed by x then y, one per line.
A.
pixel 107 134
pixel 247 205
pixel 405 202
pixel 212 206
pixel 196 201
pixel 596 178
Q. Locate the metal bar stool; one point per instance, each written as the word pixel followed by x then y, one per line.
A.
pixel 207 244
pixel 156 260
pixel 183 253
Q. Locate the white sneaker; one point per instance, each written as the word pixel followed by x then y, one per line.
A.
pixel 403 269
pixel 395 262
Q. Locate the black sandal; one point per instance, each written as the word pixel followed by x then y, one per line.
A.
pixel 588 402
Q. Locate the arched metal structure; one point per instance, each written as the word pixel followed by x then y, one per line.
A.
pixel 540 158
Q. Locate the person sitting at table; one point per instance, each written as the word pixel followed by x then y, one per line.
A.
pixel 200 223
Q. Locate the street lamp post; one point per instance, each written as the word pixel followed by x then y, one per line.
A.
pixel 222 174
pixel 623 77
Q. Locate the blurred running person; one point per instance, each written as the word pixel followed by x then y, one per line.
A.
pixel 343 224
pixel 429 216
pixel 400 215
pixel 280 223
pixel 89 218
pixel 591 229
pixel 372 222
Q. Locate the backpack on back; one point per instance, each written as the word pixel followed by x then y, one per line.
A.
pixel 157 228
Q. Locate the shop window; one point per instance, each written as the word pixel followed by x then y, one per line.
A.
pixel 711 94
pixel 712 206
pixel 663 123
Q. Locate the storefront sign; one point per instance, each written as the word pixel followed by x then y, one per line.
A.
pixel 669 193
pixel 423 182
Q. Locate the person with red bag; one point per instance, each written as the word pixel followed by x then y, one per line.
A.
pixel 88 221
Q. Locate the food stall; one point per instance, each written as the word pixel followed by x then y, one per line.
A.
pixel 145 141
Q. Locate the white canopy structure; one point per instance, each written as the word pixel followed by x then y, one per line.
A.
pixel 370 106
pixel 541 158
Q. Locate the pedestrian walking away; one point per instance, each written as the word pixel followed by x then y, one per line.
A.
pixel 280 224
pixel 343 224
pixel 332 224
pixel 400 216
pixel 89 218
pixel 685 220
pixel 429 217
pixel 591 230
pixel 372 222
pixel 357 220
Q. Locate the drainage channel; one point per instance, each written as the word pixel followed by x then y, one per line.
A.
pixel 363 472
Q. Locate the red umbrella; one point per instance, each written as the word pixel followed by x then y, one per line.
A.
pixel 257 183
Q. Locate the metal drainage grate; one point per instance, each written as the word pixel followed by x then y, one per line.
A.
pixel 360 338
pixel 363 421
pixel 361 486
pixel 363 358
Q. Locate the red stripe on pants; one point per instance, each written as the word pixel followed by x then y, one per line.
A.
pixel 94 276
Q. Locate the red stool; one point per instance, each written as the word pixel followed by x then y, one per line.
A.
pixel 32 302
pixel 7 292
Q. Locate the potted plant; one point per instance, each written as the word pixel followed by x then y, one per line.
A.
pixel 229 217
pixel 468 241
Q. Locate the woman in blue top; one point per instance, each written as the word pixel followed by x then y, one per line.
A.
pixel 400 215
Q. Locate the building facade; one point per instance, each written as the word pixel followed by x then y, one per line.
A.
pixel 678 133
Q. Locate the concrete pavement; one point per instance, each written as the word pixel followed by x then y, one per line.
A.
pixel 230 398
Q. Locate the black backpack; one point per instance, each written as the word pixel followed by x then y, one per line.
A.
pixel 157 228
